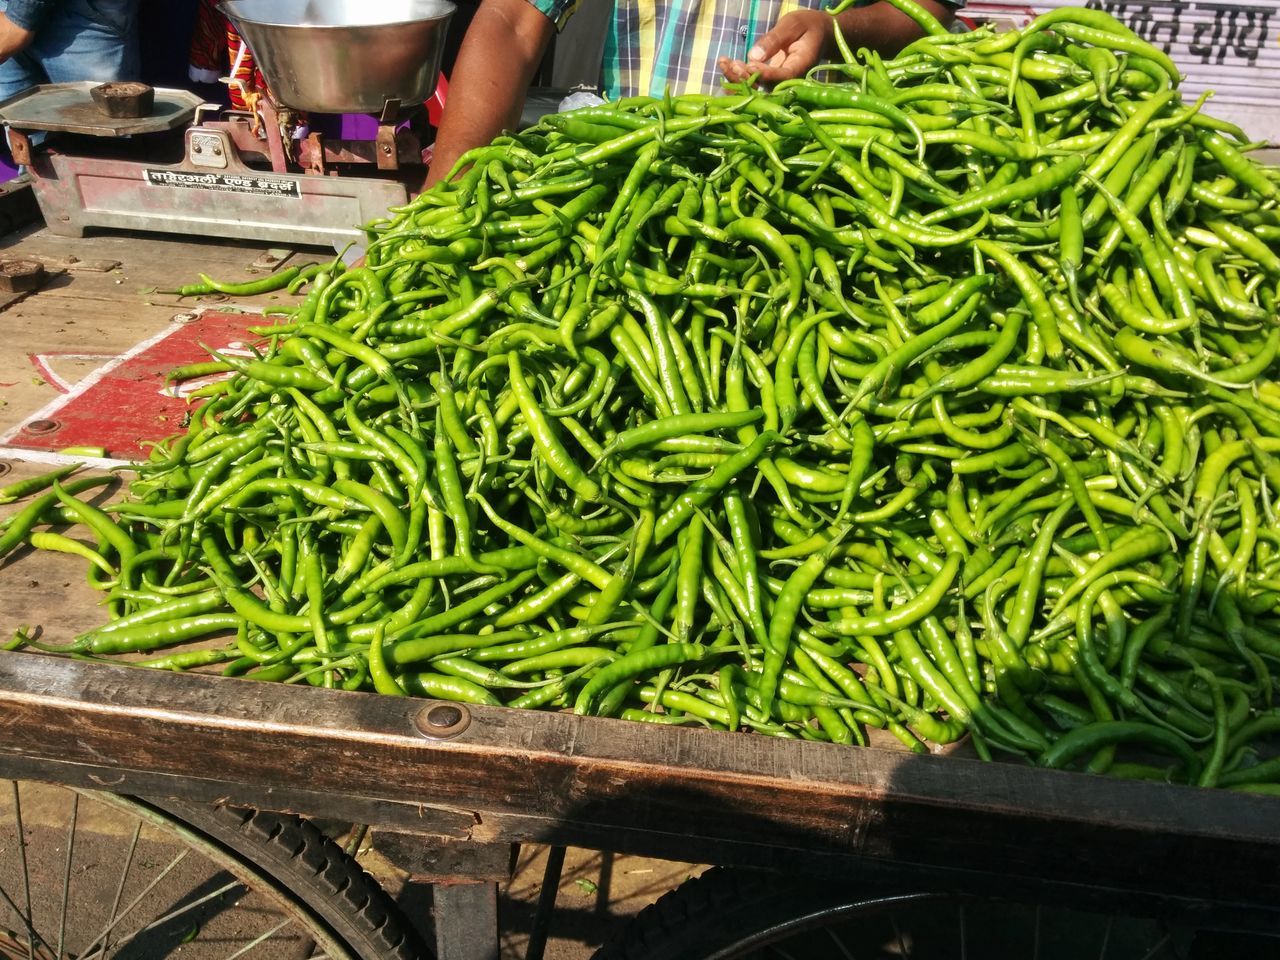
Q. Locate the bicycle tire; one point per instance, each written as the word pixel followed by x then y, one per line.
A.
pixel 330 882
pixel 727 914
pixel 288 879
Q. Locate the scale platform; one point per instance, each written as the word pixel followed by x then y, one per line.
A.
pixel 93 170
pixel 69 108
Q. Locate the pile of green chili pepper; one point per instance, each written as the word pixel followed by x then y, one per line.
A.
pixel 929 395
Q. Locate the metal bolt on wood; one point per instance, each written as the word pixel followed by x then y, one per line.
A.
pixel 442 721
pixel 43 426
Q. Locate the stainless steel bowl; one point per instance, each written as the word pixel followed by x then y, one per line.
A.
pixel 344 56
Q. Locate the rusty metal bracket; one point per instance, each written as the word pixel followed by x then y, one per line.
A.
pixel 387 154
pixel 390 111
pixel 315 158
pixel 20 147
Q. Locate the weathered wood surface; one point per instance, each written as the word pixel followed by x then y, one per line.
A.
pixel 102 296
pixel 682 793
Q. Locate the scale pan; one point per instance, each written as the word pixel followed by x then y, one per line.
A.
pixel 344 56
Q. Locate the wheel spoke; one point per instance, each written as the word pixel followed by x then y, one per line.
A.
pixel 66 874
pixel 213 895
pixel 17 911
pixel 27 917
pixel 263 938
pixel 1159 946
pixel 203 877
pixel 124 876
pixel 840 944
pixel 903 949
pixel 722 912
pixel 188 907
pixel 111 925
pixel 1106 938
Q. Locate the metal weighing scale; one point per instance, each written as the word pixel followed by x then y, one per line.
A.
pixel 248 175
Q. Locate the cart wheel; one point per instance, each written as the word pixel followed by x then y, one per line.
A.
pixel 726 914
pixel 93 876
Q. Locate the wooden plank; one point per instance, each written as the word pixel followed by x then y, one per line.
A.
pixel 545 777
pixel 84 309
pixel 41 590
pixel 445 861
pixel 158 254
pixel 466 921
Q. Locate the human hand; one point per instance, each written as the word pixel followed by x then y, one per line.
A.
pixel 793 47
pixel 13 38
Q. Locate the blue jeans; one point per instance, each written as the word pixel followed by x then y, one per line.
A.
pixel 83 40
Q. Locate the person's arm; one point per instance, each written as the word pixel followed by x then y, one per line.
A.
pixel 19 22
pixel 804 38
pixel 502 49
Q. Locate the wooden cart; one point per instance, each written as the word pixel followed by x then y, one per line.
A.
pixel 482 778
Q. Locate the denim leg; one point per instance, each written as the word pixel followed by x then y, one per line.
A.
pixel 84 40
pixel 19 72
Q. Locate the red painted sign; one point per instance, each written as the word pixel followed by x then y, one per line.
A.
pixel 124 404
